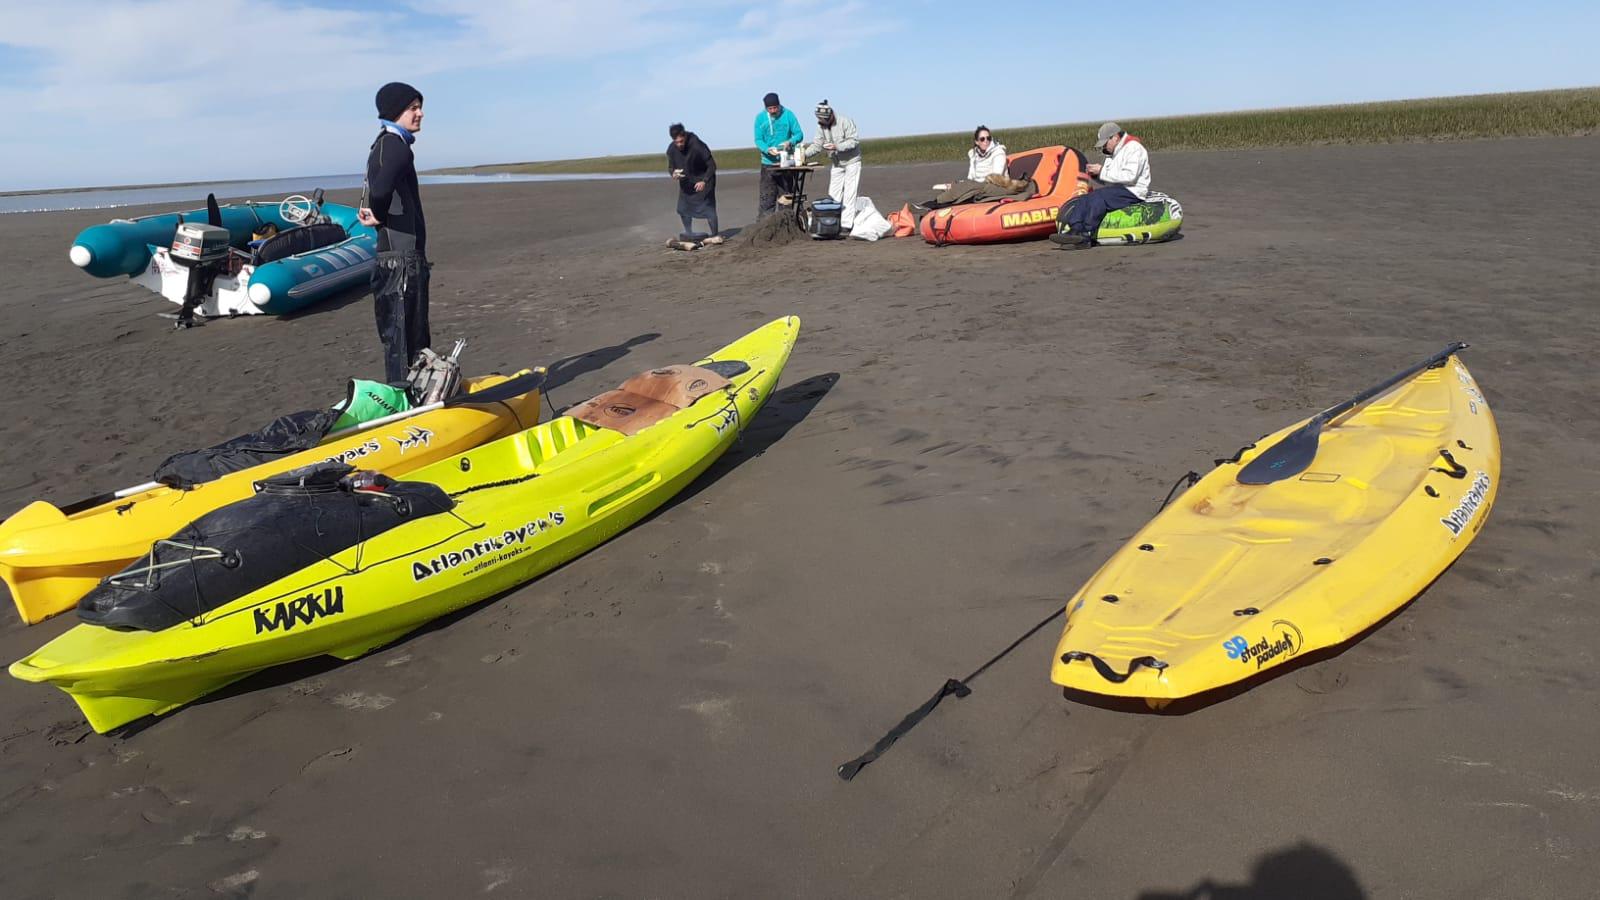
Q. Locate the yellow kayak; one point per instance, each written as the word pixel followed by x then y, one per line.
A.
pixel 51 556
pixel 1315 534
pixel 467 527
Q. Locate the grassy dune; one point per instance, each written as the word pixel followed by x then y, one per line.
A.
pixel 1536 113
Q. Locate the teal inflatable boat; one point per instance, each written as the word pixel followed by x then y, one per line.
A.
pixel 238 259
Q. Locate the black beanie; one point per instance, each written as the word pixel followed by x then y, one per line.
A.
pixel 770 100
pixel 394 97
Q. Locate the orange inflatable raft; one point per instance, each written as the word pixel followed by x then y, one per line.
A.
pixel 1058 172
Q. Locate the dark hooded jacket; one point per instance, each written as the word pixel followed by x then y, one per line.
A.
pixel 392 195
pixel 696 161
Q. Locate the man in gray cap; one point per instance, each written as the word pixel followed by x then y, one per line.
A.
pixel 1125 180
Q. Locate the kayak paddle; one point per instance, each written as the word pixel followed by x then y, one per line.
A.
pixel 1293 455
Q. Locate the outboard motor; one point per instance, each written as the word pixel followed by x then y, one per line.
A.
pixel 203 250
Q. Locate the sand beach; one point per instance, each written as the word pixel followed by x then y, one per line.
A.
pixel 962 436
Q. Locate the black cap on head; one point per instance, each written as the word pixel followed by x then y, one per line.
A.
pixel 771 99
pixel 394 97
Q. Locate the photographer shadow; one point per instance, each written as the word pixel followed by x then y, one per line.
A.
pixel 1301 872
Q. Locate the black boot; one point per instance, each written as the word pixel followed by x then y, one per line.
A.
pixel 1072 240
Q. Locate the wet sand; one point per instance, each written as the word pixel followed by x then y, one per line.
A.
pixel 962 435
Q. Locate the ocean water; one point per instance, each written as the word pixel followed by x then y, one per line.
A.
pixel 193 196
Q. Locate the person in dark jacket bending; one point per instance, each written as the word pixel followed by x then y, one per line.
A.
pixel 691 164
pixel 391 203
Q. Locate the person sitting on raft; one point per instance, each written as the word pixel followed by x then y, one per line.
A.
pixel 691 165
pixel 1125 176
pixel 986 157
pixel 986 175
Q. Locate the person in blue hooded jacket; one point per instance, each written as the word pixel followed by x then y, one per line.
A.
pixel 775 127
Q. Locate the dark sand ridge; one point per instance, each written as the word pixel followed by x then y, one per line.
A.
pixel 962 432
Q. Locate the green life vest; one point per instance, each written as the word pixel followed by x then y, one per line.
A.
pixel 368 400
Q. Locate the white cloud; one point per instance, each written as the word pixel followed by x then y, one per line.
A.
pixel 512 31
pixel 776 43
pixel 143 58
pixel 168 78
pixel 172 59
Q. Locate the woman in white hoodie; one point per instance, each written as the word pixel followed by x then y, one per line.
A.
pixel 986 160
pixel 987 156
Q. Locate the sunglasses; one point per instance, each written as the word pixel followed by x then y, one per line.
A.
pixel 983 140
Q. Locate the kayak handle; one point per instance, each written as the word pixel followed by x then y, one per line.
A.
pixel 1107 672
pixel 1456 470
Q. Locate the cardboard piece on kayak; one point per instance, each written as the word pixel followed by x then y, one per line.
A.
pixel 649 397
pixel 677 385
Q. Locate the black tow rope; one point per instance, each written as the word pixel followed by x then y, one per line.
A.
pixel 959 687
pixel 1188 480
pixel 951 686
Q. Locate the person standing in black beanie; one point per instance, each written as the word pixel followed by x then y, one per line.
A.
pixel 391 203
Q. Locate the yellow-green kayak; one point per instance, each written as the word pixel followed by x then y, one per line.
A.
pixel 516 508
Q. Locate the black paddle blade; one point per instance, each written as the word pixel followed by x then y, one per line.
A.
pixel 501 392
pixel 1287 458
pixel 213 212
pixel 1293 455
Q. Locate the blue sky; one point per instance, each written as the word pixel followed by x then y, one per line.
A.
pixel 118 92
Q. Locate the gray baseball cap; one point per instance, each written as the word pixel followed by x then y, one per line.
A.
pixel 1108 131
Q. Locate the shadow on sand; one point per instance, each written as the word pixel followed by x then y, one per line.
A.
pixel 568 368
pixel 784 410
pixel 1303 871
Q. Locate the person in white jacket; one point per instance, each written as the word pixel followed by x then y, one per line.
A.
pixel 1125 176
pixel 986 157
pixel 837 137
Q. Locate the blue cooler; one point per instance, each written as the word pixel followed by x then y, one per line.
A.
pixel 822 219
